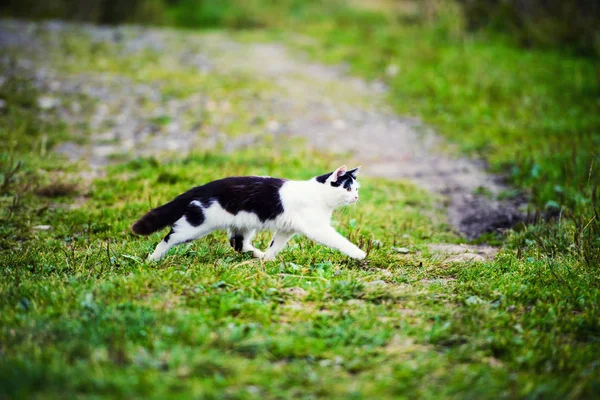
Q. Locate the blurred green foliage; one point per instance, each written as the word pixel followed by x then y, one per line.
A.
pixel 96 11
pixel 545 23
pixel 542 23
pixel 533 115
pixel 83 314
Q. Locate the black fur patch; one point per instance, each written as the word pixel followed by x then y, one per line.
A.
pixel 194 215
pixel 353 172
pixel 237 242
pixel 165 215
pixel 249 193
pixel 323 178
pixel 345 180
pixel 252 194
pixel 166 239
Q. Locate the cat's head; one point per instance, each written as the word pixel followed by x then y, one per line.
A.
pixel 341 185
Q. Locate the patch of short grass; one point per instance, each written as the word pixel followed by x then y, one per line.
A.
pixel 83 313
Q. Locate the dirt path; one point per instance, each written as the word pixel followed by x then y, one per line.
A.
pixel 333 111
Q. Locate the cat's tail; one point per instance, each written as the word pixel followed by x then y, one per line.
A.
pixel 162 216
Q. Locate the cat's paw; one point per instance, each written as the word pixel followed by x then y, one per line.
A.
pixel 358 254
pixel 153 257
pixel 258 254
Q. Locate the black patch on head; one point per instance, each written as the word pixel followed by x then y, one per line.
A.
pixel 345 180
pixel 237 242
pixel 194 215
pixel 353 172
pixel 323 178
pixel 166 239
pixel 272 243
pixel 252 194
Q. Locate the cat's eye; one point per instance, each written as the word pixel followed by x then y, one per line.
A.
pixel 349 189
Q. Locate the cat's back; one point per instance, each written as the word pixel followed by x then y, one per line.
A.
pixel 255 194
pixel 243 186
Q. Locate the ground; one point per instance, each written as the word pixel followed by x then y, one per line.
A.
pixel 110 122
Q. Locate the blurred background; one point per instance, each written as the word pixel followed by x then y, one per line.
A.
pixel 514 85
pixel 513 82
pixel 543 23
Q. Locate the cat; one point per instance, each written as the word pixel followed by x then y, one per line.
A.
pixel 244 205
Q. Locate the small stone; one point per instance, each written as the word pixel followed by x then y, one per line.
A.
pixel 172 127
pixel 2 104
pixel 42 227
pixel 401 250
pixel 54 85
pixel 273 125
pixel 474 300
pixel 463 253
pixel 296 291
pixel 339 124
pixel 355 302
pixel 183 371
pixel 211 105
pixel 253 390
pixel 47 102
pixel 384 272
pixel 375 283
pixel 466 257
pixel 392 70
pixel 494 362
pixel 225 106
pixel 72 151
pixel 294 306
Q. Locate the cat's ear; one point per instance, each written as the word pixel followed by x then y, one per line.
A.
pixel 341 171
pixel 354 172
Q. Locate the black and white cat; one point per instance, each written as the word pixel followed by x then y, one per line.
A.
pixel 244 205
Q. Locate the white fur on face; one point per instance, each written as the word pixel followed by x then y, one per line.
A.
pixel 343 196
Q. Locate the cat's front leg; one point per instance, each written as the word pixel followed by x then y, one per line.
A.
pixel 280 238
pixel 331 238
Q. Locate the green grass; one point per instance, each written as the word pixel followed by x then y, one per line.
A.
pixel 82 313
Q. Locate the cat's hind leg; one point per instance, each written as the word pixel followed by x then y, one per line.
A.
pixel 241 241
pixel 189 227
pixel 236 240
